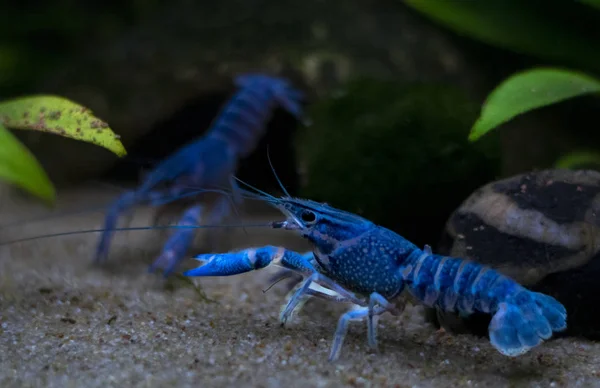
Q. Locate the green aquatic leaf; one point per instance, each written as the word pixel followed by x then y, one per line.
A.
pixel 518 26
pixel 19 167
pixel 528 90
pixel 59 116
pixel 591 3
pixel 578 159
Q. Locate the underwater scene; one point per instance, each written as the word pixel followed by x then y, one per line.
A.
pixel 300 194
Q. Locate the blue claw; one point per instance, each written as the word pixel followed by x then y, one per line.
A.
pixel 234 263
pixel 223 264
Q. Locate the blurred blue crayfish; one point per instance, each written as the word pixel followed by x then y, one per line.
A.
pixel 354 260
pixel 208 162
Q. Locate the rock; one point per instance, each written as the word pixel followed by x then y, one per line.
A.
pixel 541 229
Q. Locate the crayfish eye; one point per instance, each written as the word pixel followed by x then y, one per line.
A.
pixel 308 216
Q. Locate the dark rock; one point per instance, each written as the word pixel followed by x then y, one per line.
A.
pixel 541 229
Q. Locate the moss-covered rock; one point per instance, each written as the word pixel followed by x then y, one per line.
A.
pixel 397 154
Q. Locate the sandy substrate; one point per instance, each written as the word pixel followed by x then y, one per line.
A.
pixel 67 323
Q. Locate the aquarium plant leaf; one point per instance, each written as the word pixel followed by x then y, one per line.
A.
pixel 18 166
pixel 529 90
pixel 516 25
pixel 578 159
pixel 591 3
pixel 60 116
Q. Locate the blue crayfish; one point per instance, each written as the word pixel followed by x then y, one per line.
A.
pixel 354 260
pixel 208 162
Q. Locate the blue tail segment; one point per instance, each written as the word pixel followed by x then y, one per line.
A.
pixel 553 311
pixel 522 319
pixel 522 324
pixel 245 116
pixel 273 87
pixel 279 88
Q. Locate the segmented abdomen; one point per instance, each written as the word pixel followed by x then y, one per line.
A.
pixel 456 285
pixel 243 119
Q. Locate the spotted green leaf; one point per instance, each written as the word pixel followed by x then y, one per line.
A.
pixel 529 90
pixel 59 116
pixel 19 167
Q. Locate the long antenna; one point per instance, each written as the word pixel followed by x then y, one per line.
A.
pixel 267 195
pixel 275 174
pixel 102 208
pixel 135 228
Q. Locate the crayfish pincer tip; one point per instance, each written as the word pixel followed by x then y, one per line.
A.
pixel 202 258
pixel 221 265
pixel 195 272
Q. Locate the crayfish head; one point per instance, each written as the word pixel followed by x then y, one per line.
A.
pixel 321 224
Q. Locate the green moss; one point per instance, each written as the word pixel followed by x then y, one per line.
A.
pixel 397 154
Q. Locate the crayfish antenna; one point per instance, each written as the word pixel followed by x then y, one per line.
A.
pixel 276 176
pixel 133 228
